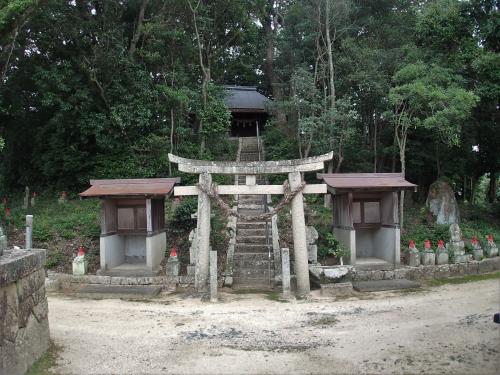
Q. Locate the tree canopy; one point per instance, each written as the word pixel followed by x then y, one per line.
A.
pixel 94 88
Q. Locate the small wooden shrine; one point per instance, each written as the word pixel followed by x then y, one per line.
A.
pixel 366 216
pixel 248 109
pixel 133 238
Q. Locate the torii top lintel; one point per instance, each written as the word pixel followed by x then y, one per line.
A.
pixel 313 163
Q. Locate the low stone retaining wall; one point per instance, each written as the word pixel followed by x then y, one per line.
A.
pixel 63 281
pixel 24 325
pixel 432 272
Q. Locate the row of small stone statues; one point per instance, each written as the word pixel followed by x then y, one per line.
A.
pixel 454 250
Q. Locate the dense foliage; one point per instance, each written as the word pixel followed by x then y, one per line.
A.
pixel 94 88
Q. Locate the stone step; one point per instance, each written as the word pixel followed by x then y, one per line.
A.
pixel 258 273
pixel 250 224
pixel 250 256
pixel 248 262
pixel 245 239
pixel 259 199
pixel 118 291
pixel 251 231
pixel 250 212
pixel 250 147
pixel 380 285
pixel 253 202
pixel 256 284
pixel 249 196
pixel 250 156
pixel 259 206
pixel 251 248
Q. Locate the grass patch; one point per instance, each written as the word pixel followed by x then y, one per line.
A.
pixel 325 320
pixel 276 297
pixel 465 279
pixel 43 365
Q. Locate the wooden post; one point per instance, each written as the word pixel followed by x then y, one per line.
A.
pixel 203 233
pixel 299 237
pixel 29 231
pixel 149 216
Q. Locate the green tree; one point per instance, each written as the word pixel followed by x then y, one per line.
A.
pixel 430 97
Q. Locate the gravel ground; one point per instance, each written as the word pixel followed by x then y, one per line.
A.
pixel 446 329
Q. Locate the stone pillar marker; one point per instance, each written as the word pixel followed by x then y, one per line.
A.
pixel 3 241
pixel 299 236
pixel 26 201
pixel 285 271
pixel 29 232
pixel 203 233
pixel 213 276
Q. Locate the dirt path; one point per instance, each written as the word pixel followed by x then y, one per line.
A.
pixel 447 329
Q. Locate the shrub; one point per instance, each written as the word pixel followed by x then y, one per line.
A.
pixel 183 212
pixel 54 258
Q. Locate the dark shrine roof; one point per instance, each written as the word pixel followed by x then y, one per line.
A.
pixel 366 181
pixel 245 99
pixel 146 187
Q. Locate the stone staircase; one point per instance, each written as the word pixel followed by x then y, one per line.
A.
pixel 253 266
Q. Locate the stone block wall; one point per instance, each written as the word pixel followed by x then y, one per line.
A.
pixel 432 272
pixel 24 325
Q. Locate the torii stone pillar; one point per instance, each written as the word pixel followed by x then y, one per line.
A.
pixel 203 233
pixel 299 236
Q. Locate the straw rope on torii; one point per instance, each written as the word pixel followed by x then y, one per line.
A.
pixel 288 195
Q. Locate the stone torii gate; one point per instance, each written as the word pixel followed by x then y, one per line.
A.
pixel 293 167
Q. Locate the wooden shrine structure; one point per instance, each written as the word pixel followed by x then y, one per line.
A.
pixel 133 238
pixel 366 216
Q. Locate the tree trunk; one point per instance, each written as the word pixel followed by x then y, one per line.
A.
pixel 171 139
pixel 7 62
pixel 331 81
pixel 394 155
pixel 138 29
pixel 403 172
pixel 270 36
pixel 205 72
pixel 493 188
pixel 438 161
pixel 328 197
pixel 473 190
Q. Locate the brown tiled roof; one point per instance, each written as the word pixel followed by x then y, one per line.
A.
pixel 366 180
pixel 130 187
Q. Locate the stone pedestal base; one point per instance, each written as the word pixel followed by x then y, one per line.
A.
pixel 491 252
pixel 80 268
pixel 427 259
pixel 442 258
pixel 461 258
pixel 477 254
pixel 337 290
pixel 173 267
pixel 412 259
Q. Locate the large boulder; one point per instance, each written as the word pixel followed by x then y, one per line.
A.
pixel 442 203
